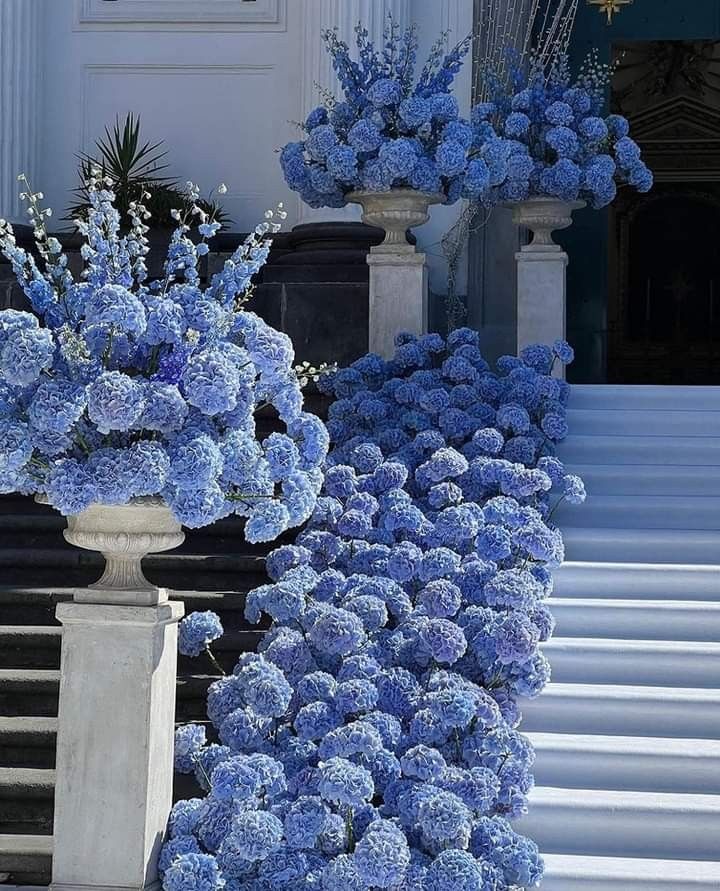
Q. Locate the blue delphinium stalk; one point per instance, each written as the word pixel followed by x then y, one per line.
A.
pixel 118 387
pixel 388 130
pixel 384 700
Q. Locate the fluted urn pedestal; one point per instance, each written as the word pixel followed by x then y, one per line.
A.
pixel 398 273
pixel 117 706
pixel 542 272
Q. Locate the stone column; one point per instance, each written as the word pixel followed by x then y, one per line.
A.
pixel 398 298
pixel 115 744
pixel 20 100
pixel 541 272
pixel 541 297
pixel 320 15
pixel 398 273
pixel 118 670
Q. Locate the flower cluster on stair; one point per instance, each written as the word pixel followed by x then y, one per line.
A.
pixel 370 743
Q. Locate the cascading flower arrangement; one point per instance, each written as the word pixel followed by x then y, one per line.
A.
pixel 556 142
pixel 371 743
pixel 116 387
pixel 388 131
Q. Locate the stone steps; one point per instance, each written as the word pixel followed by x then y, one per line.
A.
pixel 627 736
pixel 648 479
pixel 565 872
pixel 636 710
pixel 611 823
pixel 599 397
pixel 658 663
pixel 659 619
pixel 635 763
pixel 26 859
pixel 26 800
pixel 633 545
pixel 593 421
pixel 28 741
pixel 644 512
pixel 669 451
pixel 637 581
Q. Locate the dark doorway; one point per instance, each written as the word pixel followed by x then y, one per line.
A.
pixel 644 275
pixel 664 275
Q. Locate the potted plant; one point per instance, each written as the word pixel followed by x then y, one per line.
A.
pixel 393 143
pixel 129 404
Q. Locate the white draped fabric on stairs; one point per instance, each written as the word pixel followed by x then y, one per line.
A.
pixel 627 735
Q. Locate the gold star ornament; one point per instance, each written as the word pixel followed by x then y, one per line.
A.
pixel 609 7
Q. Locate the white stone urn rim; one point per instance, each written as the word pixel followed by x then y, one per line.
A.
pixel 124 534
pixel 433 197
pixel 543 215
pixel 396 211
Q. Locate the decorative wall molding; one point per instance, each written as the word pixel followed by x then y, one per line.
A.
pixel 180 15
pixel 240 189
pixel 20 76
pixel 91 72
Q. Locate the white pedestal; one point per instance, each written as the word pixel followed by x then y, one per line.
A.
pixel 398 298
pixel 115 744
pixel 541 298
pixel 541 272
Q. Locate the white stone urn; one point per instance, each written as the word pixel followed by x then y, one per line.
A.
pixel 118 675
pixel 543 216
pixel 124 534
pixel 396 211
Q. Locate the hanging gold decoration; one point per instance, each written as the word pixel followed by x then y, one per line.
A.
pixel 609 7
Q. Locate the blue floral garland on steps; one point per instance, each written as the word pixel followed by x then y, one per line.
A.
pixel 372 741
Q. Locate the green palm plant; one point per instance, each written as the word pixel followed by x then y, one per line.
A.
pixel 135 168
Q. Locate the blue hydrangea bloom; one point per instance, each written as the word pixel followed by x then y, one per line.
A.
pixel 197 631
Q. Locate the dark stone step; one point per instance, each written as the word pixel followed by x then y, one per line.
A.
pixel 34 693
pixel 28 742
pixel 26 859
pixel 23 646
pixel 27 800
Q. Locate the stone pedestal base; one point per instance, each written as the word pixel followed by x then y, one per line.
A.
pixel 115 744
pixel 398 297
pixel 541 297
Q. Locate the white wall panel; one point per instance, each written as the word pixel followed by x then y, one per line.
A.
pixel 220 95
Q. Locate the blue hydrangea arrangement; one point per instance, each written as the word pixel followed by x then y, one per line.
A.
pixel 117 387
pixel 389 130
pixel 371 743
pixel 556 141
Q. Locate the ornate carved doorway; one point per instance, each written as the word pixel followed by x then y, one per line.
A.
pixel 664 276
